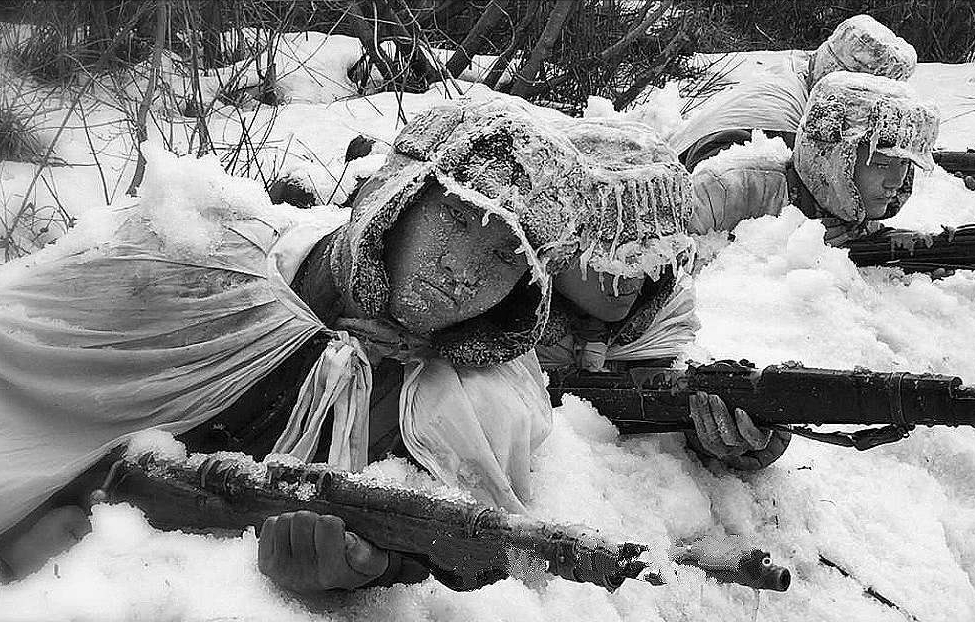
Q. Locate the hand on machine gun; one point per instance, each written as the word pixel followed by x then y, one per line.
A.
pixel 309 553
pixel 735 440
pixel 324 529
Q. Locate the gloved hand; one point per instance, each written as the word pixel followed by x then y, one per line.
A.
pixel 735 440
pixel 309 553
pixel 52 534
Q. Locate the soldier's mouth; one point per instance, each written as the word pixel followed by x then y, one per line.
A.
pixel 440 290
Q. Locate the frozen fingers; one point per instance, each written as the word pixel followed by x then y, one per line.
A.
pixel 755 438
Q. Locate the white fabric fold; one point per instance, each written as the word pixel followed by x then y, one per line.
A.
pixel 339 384
pixel 106 337
pixel 477 428
pixel 123 335
pixel 773 101
pixel 674 326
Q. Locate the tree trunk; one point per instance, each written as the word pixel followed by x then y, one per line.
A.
pixel 476 38
pixel 517 39
pixel 524 80
pixel 645 21
pixel 211 23
pixel 646 78
pixel 367 37
pixel 421 73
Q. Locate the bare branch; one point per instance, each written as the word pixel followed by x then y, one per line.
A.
pixel 517 39
pixel 477 37
pixel 524 80
pixel 141 133
pixel 648 19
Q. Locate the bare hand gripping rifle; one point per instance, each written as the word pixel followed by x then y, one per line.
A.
pixel 648 399
pixel 952 249
pixel 465 544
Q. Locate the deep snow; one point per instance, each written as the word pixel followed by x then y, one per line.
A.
pixel 898 518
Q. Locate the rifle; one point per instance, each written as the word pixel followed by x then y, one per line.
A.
pixel 465 544
pixel 654 399
pixel 956 161
pixel 952 249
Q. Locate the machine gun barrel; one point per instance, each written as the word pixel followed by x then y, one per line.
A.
pixel 465 544
pixel 645 399
pixel 953 249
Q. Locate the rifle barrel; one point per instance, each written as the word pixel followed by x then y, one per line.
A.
pixel 655 400
pixel 465 544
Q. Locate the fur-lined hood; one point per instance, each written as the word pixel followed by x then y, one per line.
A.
pixel 501 159
pixel 846 109
pixel 862 44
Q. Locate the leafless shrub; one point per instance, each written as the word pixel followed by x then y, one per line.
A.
pixel 19 140
pixel 940 30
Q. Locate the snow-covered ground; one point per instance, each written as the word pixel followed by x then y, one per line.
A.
pixel 900 519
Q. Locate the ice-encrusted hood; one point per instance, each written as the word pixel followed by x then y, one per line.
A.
pixel 862 44
pixel 498 157
pixel 846 109
pixel 635 220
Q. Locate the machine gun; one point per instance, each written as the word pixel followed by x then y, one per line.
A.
pixel 952 249
pixel 465 544
pixel 648 399
pixel 956 161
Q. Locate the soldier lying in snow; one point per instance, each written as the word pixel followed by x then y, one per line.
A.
pixel 409 330
pixel 852 165
pixel 419 315
pixel 626 296
pixel 774 102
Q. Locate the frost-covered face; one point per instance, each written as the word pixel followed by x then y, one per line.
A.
pixel 878 181
pixel 594 293
pixel 446 265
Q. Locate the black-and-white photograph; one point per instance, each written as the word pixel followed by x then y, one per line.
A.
pixel 487 311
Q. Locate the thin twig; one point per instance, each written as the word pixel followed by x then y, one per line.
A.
pixel 141 133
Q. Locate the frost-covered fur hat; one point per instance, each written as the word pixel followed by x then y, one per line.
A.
pixel 846 109
pixel 635 220
pixel 498 157
pixel 862 44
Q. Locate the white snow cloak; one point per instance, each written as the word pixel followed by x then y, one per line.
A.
pixel 137 332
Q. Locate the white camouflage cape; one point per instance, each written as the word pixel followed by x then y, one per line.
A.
pixel 128 334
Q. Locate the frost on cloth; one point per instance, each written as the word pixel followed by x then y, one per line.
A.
pixel 741 182
pixel 773 101
pixel 129 335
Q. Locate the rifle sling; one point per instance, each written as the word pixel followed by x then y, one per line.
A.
pixel 861 439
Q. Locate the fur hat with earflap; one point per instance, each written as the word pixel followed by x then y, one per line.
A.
pixel 502 159
pixel 862 44
pixel 846 110
pixel 633 222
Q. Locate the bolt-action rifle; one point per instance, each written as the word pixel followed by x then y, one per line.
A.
pixel 465 544
pixel 952 249
pixel 787 397
pixel 956 161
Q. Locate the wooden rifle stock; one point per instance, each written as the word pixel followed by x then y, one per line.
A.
pixel 465 544
pixel 952 249
pixel 645 399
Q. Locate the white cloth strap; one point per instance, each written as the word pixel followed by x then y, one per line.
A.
pixel 674 326
pixel 340 384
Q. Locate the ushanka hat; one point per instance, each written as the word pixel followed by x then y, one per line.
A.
pixel 634 221
pixel 846 110
pixel 862 44
pixel 500 158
